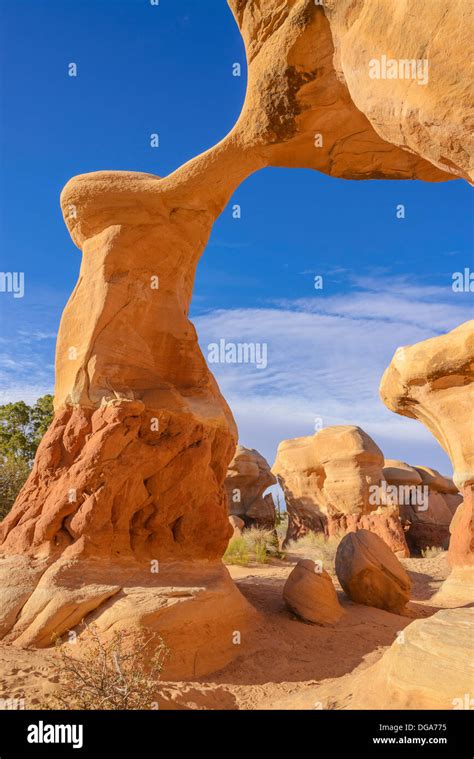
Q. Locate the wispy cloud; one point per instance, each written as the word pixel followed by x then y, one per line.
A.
pixel 326 357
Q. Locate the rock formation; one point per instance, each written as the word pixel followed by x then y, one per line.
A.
pixel 426 500
pixel 429 666
pixel 310 594
pixel 332 483
pixel 237 525
pixel 370 573
pixel 433 381
pixel 123 519
pixel 248 477
pixel 397 74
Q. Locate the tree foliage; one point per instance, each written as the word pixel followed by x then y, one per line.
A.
pixel 21 430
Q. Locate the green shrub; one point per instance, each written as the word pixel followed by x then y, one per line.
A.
pixel 236 552
pixel 254 545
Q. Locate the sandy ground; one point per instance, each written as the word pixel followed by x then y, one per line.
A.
pixel 285 664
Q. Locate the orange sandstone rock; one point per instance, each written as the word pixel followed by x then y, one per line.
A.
pixel 426 502
pixel 370 573
pixel 248 477
pixel 430 667
pixel 310 594
pixel 433 381
pixel 332 483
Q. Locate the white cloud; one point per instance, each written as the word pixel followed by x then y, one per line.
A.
pixel 326 357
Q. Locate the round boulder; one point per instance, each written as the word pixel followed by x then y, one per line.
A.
pixel 370 573
pixel 310 594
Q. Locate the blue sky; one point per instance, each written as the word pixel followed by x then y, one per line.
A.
pixel 168 69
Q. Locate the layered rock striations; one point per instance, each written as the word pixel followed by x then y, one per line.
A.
pixel 427 502
pixel 433 381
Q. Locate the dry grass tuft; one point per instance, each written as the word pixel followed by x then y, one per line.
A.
pixel 254 545
pixel 318 547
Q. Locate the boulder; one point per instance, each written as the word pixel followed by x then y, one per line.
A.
pixel 370 573
pixel 310 594
pixel 428 523
pixel 382 522
pixel 426 500
pixel 248 477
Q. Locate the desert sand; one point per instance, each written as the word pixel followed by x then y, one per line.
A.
pixel 285 663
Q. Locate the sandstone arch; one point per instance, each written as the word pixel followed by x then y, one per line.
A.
pixel 110 493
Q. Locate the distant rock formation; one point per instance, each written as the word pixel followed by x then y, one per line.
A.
pixel 123 520
pixel 433 381
pixel 248 477
pixel 333 484
pixel 427 502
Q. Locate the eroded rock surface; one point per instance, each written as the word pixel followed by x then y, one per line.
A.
pixel 332 483
pixel 433 381
pixel 430 667
pixel 370 573
pixel 427 502
pixel 310 594
pixel 247 479
pixel 398 75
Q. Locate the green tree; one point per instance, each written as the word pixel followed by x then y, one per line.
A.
pixel 21 430
pixel 15 431
pixel 41 417
pixel 13 475
pixel 23 426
